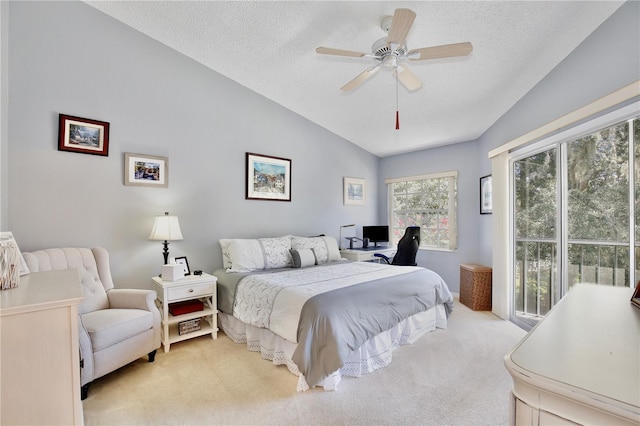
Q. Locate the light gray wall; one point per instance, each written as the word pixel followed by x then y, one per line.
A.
pixel 462 157
pixel 67 57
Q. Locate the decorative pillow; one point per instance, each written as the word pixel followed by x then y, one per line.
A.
pixel 303 258
pixel 325 248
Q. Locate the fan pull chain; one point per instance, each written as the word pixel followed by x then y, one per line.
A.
pixel 397 109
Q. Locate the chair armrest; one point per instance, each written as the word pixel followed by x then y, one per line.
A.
pixel 121 298
pixel 385 258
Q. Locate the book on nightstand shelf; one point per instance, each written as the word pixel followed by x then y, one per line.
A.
pixel 186 307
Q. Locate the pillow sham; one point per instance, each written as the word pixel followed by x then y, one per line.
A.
pixel 226 259
pixel 246 255
pixel 303 258
pixel 276 252
pixel 325 248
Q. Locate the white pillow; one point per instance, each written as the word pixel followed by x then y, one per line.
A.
pixel 325 248
pixel 226 259
pixel 245 256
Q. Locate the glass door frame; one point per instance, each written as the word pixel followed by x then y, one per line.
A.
pixel 559 140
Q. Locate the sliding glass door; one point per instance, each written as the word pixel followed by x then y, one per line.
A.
pixel 574 216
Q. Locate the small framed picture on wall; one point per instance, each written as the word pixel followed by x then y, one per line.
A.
pixel 486 200
pixel 83 135
pixel 146 170
pixel 355 191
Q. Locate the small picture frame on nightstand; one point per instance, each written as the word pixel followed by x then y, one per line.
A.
pixel 183 261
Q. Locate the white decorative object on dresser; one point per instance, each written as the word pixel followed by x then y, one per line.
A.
pixel 367 255
pixel 581 363
pixel 175 328
pixel 40 353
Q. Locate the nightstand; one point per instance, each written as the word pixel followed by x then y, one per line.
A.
pixel 191 287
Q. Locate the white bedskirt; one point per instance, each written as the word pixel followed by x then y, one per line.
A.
pixel 374 354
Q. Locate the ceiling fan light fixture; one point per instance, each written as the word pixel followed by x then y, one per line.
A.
pixel 390 61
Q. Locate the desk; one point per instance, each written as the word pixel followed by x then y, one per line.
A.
pixel 581 363
pixel 367 255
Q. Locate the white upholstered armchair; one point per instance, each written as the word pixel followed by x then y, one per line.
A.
pixel 116 326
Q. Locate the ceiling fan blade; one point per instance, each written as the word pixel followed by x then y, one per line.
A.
pixel 400 26
pixel 408 78
pixel 361 78
pixel 444 51
pixel 339 52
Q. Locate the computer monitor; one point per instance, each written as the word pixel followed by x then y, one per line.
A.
pixel 376 234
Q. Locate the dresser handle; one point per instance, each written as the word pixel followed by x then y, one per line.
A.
pixel 190 290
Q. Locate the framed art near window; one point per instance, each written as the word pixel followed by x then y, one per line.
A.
pixel 77 134
pixel 354 191
pixel 267 178
pixel 486 203
pixel 146 170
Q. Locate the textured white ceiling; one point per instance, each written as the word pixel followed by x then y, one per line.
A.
pixel 269 47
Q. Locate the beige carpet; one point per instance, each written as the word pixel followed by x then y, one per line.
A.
pixel 449 377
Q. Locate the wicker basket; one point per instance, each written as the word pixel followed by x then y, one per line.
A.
pixel 475 286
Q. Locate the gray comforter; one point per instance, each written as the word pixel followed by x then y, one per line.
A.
pixel 335 323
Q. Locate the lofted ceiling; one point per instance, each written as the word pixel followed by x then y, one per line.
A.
pixel 269 47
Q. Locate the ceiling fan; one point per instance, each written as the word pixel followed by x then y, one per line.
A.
pixel 391 52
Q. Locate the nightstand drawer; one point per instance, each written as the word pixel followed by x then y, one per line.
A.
pixel 194 290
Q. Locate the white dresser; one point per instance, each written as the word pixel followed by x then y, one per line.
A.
pixel 581 363
pixel 39 356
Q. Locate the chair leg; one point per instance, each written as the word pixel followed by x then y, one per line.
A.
pixel 152 355
pixel 84 392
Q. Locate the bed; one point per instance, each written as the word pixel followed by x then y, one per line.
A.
pixel 298 303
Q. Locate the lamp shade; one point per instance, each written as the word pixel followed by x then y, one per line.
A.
pixel 166 228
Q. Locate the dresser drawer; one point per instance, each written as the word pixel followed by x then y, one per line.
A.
pixel 186 291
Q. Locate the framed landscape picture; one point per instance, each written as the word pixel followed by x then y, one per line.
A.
pixel 146 170
pixel 354 191
pixel 77 134
pixel 267 178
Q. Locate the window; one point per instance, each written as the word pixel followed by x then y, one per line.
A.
pixel 427 201
pixel 574 208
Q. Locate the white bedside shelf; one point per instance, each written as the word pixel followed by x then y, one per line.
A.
pixel 192 287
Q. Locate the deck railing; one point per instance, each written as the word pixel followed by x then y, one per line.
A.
pixel 598 262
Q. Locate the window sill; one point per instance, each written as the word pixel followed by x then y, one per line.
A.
pixel 437 249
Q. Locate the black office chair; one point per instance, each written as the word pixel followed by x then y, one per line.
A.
pixel 407 248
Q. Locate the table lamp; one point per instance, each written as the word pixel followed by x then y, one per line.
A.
pixel 166 228
pixel 340 244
